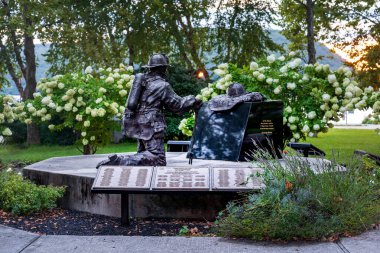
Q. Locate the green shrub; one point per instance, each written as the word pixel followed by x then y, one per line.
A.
pixel 184 83
pixel 371 119
pixel 23 197
pixel 304 203
pixel 47 137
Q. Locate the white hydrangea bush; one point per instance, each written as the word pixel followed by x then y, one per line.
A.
pixel 10 111
pixel 314 95
pixel 91 103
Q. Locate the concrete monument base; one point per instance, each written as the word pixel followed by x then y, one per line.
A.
pixel 78 174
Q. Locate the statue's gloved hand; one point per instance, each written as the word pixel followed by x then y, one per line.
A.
pixel 197 104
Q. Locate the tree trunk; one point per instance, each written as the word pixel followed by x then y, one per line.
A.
pixel 131 51
pixel 231 28
pixel 33 136
pixel 87 150
pixel 193 48
pixel 310 31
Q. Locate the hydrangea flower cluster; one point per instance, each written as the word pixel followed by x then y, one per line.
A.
pixel 186 125
pixel 314 95
pixel 10 110
pixel 89 102
pixel 220 86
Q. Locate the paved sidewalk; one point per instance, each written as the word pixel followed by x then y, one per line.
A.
pixel 14 241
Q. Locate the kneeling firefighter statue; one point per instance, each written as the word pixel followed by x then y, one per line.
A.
pixel 144 118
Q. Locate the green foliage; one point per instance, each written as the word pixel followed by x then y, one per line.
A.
pixel 341 143
pixel 36 153
pixel 109 32
pixel 184 83
pixel 184 231
pixel 371 120
pixel 359 37
pixel 300 202
pixel 89 103
pixel 10 111
pixel 47 137
pixel 22 197
pixel 293 20
pixel 98 34
pixel 172 132
pixel 239 32
pixel 313 94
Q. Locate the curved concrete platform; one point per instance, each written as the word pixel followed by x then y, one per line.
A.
pixel 78 173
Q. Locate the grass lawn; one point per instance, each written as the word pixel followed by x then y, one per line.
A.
pixel 342 141
pixel 345 141
pixel 37 153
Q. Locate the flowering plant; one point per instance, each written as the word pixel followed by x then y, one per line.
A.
pixel 10 110
pixel 314 95
pixel 90 103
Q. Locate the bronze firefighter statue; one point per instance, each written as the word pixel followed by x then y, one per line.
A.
pixel 144 118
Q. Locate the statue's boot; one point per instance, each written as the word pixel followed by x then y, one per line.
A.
pixel 144 158
pixel 112 160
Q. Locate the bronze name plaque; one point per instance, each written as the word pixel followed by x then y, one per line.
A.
pixel 119 177
pixel 181 178
pixel 235 178
pixel 135 179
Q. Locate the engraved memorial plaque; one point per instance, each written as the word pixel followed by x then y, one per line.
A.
pixel 229 135
pixel 218 135
pixel 123 178
pixel 265 128
pixel 235 179
pixel 181 178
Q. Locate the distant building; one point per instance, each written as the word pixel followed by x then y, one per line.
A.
pixel 355 117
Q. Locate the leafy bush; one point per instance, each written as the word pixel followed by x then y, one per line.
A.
pixel 371 119
pixel 89 103
pixel 10 111
pixel 172 132
pixel 23 197
pixel 184 83
pixel 299 202
pixel 63 137
pixel 314 95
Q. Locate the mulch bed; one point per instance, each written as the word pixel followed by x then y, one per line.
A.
pixel 67 222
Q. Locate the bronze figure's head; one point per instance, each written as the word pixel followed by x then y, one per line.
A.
pixel 235 90
pixel 158 63
pixel 158 60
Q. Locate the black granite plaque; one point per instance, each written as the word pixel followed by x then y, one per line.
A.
pixel 234 134
pixel 264 129
pixel 218 135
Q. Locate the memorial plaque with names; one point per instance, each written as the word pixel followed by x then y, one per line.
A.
pixel 181 178
pixel 237 178
pixel 122 177
pixel 111 179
